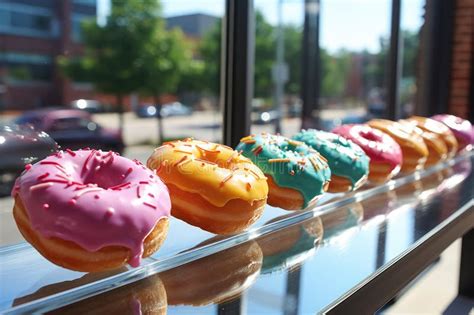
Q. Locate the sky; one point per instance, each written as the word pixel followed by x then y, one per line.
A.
pixel 345 24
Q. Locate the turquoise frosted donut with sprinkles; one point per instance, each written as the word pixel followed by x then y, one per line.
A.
pixel 348 162
pixel 290 164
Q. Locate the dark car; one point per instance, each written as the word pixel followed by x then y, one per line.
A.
pixel 20 145
pixel 167 110
pixel 91 106
pixel 263 117
pixel 73 129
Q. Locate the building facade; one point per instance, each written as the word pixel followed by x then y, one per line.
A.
pixel 32 34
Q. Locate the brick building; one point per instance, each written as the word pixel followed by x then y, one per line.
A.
pixel 32 34
pixel 461 96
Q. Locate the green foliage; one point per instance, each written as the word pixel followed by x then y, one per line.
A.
pixel 334 71
pixel 165 57
pixel 132 52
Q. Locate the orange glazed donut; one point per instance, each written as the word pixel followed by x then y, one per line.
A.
pixel 439 129
pixel 437 149
pixel 211 185
pixel 414 149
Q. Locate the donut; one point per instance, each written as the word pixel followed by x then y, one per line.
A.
pixel 147 296
pixel 90 210
pixel 461 128
pixel 297 174
pixel 414 149
pixel 385 154
pixel 348 163
pixel 291 246
pixel 212 186
pixel 438 128
pixel 437 149
pixel 216 278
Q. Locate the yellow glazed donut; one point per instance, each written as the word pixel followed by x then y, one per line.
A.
pixel 211 185
pixel 439 129
pixel 414 149
pixel 437 149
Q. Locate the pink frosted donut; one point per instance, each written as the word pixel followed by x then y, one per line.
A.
pixel 385 154
pixel 90 210
pixel 461 128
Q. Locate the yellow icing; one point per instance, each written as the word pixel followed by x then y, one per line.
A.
pixel 214 171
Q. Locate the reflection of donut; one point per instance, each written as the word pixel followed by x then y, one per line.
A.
pixel 408 191
pixel 380 204
pixel 337 221
pixel 54 288
pixel 291 245
pixel 147 296
pixel 431 184
pixel 214 279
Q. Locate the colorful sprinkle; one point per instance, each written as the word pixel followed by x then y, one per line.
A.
pixel 71 152
pixel 43 176
pixel 149 205
pixel 228 177
pixel 279 160
pixel 119 186
pixel 39 186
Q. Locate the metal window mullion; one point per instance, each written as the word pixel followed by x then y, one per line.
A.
pixel 394 64
pixel 310 63
pixel 238 43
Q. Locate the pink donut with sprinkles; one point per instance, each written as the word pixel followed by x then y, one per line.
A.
pixel 385 153
pixel 461 128
pixel 90 210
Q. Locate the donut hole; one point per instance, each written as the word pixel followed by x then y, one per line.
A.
pixel 105 180
pixel 371 136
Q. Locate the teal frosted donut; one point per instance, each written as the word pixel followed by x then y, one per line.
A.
pixel 296 173
pixel 348 162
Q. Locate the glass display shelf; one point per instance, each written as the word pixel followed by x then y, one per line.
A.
pixel 29 283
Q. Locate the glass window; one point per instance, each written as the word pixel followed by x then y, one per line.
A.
pixel 31 21
pixel 354 48
pixel 276 106
pixel 4 17
pixel 76 29
pixel 411 21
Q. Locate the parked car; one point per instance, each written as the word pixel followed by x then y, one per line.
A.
pixel 73 129
pixel 262 117
pixel 167 110
pixel 91 106
pixel 20 146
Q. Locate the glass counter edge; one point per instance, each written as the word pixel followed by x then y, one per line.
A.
pixel 101 286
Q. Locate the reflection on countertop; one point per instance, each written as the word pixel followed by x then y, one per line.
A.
pixel 291 246
pixel 329 253
pixel 216 278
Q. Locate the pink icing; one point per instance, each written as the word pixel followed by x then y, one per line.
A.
pixel 461 128
pixel 379 146
pixel 94 199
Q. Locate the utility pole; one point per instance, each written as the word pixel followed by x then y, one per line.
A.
pixel 280 69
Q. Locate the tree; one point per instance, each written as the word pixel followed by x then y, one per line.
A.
pixel 113 52
pixel 210 51
pixel 163 60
